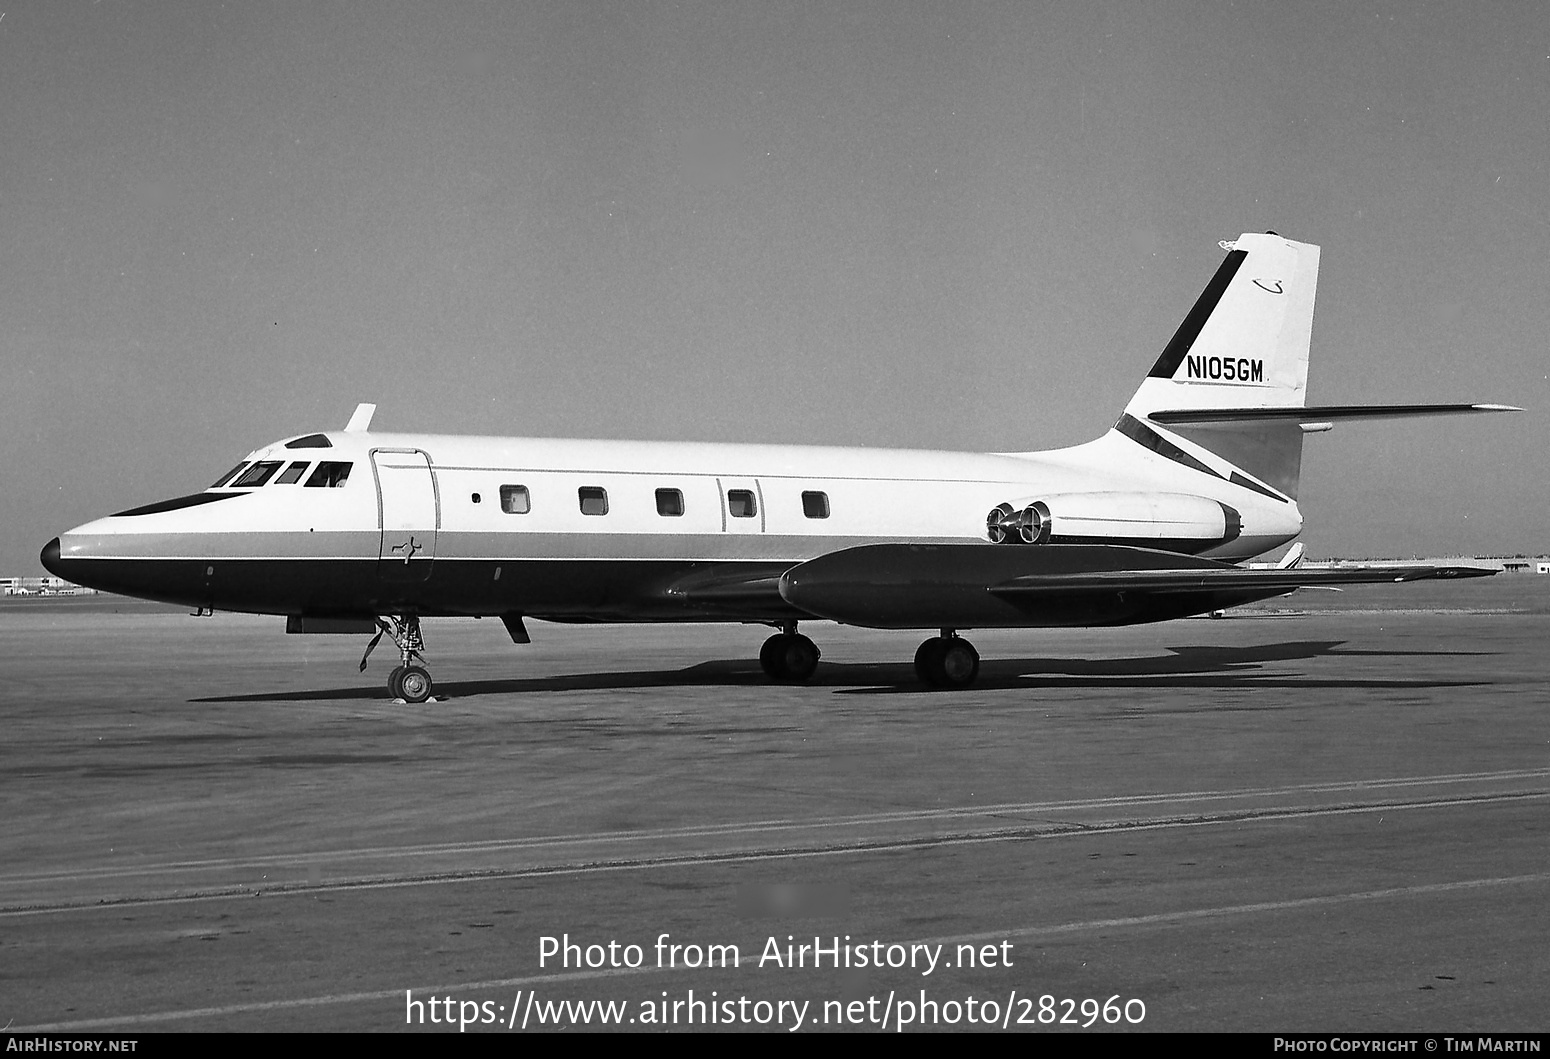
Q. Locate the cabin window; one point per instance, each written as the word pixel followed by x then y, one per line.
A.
pixel 256 475
pixel 515 500
pixel 329 476
pixel 741 504
pixel 670 502
pixel 815 504
pixel 229 475
pixel 594 500
pixel 292 474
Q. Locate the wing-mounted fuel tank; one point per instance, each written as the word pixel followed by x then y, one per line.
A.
pixel 1175 522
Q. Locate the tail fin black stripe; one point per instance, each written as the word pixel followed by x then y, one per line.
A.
pixel 1148 438
pixel 1249 483
pixel 1189 330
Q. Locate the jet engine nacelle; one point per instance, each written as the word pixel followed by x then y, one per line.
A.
pixel 1171 521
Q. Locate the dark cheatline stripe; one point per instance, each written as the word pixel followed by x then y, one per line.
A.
pixel 1238 479
pixel 582 590
pixel 1148 438
pixel 1189 330
pixel 570 590
pixel 192 500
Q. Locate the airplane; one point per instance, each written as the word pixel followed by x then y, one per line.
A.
pixel 355 531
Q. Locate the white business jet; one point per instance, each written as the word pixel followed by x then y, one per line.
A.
pixel 359 531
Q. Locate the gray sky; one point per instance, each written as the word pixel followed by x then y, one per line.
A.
pixel 955 225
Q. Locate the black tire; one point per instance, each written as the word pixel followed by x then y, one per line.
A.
pixel 799 659
pixel 394 691
pixel 415 684
pixel 772 656
pixel 958 664
pixel 928 660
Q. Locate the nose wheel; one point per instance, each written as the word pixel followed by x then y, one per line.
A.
pixel 947 661
pixel 414 684
pixel 409 680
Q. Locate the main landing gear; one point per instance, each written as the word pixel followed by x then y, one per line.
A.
pixel 789 656
pixel 409 680
pixel 947 661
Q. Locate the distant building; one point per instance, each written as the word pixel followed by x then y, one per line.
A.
pixel 42 586
pixel 1520 564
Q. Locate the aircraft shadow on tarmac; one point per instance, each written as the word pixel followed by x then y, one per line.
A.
pixel 1182 667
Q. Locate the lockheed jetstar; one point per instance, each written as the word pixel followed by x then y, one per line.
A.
pixel 358 531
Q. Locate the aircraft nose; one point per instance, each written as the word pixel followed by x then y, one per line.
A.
pixel 49 557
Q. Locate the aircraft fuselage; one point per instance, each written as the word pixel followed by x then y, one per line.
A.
pixel 593 530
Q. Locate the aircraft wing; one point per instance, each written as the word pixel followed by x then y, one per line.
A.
pixel 904 586
pixel 968 585
pixel 1232 577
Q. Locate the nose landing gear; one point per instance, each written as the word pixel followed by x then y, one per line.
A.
pixel 409 680
pixel 414 683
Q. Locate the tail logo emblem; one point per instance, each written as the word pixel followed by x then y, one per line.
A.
pixel 1275 289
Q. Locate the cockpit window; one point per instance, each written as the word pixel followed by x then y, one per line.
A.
pixel 229 475
pixel 292 474
pixel 311 441
pixel 329 475
pixel 257 474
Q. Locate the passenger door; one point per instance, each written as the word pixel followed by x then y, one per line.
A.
pixel 742 505
pixel 409 513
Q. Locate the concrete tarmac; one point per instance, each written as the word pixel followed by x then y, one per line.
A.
pixel 1326 812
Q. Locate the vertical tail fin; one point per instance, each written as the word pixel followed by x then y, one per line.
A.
pixel 1243 345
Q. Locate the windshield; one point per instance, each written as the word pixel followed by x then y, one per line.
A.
pixel 229 475
pixel 256 475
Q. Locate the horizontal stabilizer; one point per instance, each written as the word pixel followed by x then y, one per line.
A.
pixel 1329 413
pixel 1230 578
